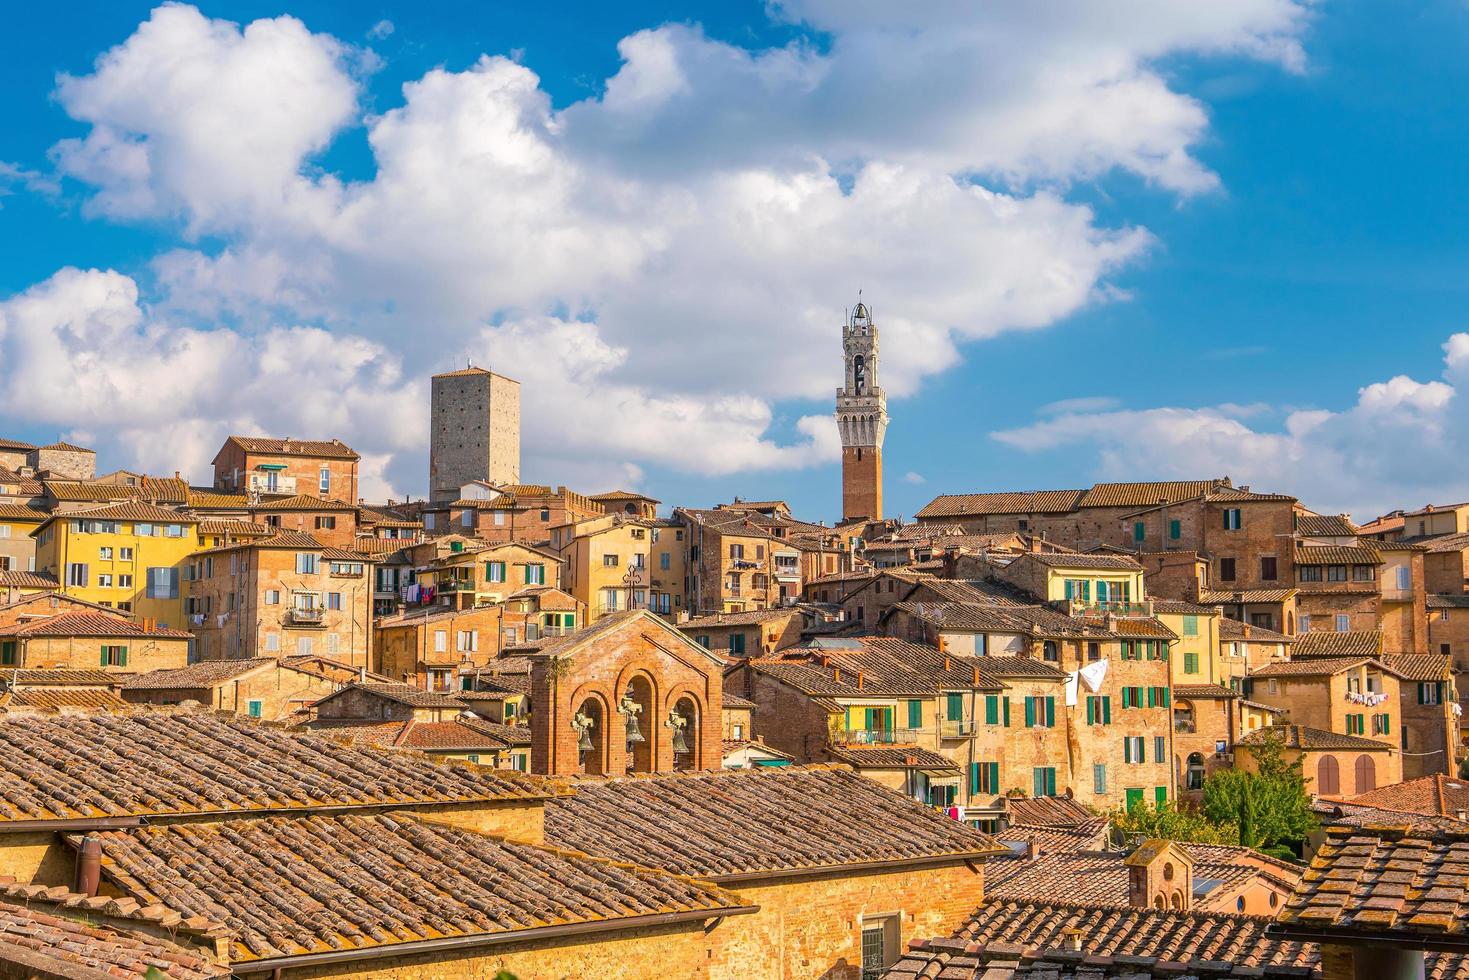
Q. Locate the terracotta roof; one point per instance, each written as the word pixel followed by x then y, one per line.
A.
pixel 1343 643
pixel 407 694
pixel 1205 691
pixel 1146 626
pixel 459 734
pixel 164 762
pixel 63 697
pixel 1311 667
pixel 301 501
pixel 1218 598
pixel 1336 555
pixel 14 444
pixel 19 512
pixel 977 504
pixel 1086 836
pixel 217 500
pixel 735 701
pixel 1178 607
pixel 1435 796
pixel 236 528
pixel 1048 811
pixel 306 448
pixel 98 624
pixel 973 590
pixel 54 939
pixel 1233 629
pixel 207 673
pixel 132 510
pixel 1106 931
pixel 750 617
pixel 1313 739
pixel 1064 560
pixel 1387 883
pixel 1100 877
pixel 1017 667
pixel 1422 666
pixel 1146 494
pixel 1442 601
pixel 287 887
pixel 62 677
pixel 730 746
pixel 1356 815
pixel 75 490
pixel 465 373
pixel 623 495
pixel 891 757
pixel 287 540
pixel 27 580
pixel 1440 543
pixel 727 824
pixel 1325 526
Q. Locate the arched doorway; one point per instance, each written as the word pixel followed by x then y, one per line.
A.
pixel 590 724
pixel 685 721
pixel 1366 774
pixel 1193 774
pixel 1328 776
pixel 636 709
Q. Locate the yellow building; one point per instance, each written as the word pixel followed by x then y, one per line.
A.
pixel 615 563
pixel 1198 655
pixel 1088 582
pixel 127 557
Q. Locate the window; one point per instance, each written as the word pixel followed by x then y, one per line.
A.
pixel 324 482
pixel 1175 530
pixel 466 641
pixel 76 573
pixel 1160 748
pixel 144 530
pixel 173 530
pixel 499 518
pixel 1381 725
pixel 1049 651
pixel 1267 568
pixel 1226 569
pixel 1134 750
pixel 1309 573
pixel 879 946
pixel 1139 531
pixel 272 597
pixel 984 777
pixel 1040 712
pixel 737 551
pixel 326 523
pixel 1231 519
pixel 1043 781
pixel 1099 709
pixel 255 708
pixel 114 656
pixel 303 646
pixel 609 561
pixel 494 571
pixel 334 600
pixel 1099 779
pixel 428 521
pixel 1343 622
pixel 124 554
pixel 1304 623
pixel 1093 650
pixel 441 641
pixel 663 561
pixel 1363 573
pixel 1336 573
pixel 7 652
pixel 1430 692
pixel 1366 774
pixel 535 574
pixel 737 643
pixel 545 513
pixel 1357 724
pixel 307 563
pixel 1405 578
pixel 104 581
pixel 163 583
pixel 466 518
pixel 1328 776
pixel 1190 663
pixel 915 715
pixel 1191 626
pixel 105 554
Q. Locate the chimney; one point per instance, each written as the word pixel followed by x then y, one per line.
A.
pixel 1032 849
pixel 836 673
pixel 976 674
pixel 1244 628
pixel 1072 940
pixel 861 680
pixel 89 865
pixel 948 664
pixel 175 474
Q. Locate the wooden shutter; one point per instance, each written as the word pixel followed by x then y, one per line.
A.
pixel 1050 712
pixel 1030 712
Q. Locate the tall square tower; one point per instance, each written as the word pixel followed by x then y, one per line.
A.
pixel 862 419
pixel 474 431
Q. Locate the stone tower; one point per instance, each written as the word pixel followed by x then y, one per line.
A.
pixel 862 419
pixel 474 431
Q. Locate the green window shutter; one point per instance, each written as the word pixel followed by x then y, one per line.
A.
pixel 1050 781
pixel 1099 779
pixel 1068 589
pixel 1050 712
pixel 1387 724
pixel 1175 529
pixel 1037 783
pixel 1164 695
pixel 1127 749
pixel 1134 798
pixel 1190 626
pixel 1086 590
pixel 1160 748
pixel 915 714
pixel 992 780
pixel 955 707
pixel 103 661
pixel 1420 693
pixel 1139 531
pixel 1106 709
pixel 1091 711
pixel 1150 697
pixel 122 658
pixel 1006 703
pixel 974 786
pixel 991 709
pixel 1160 794
pixel 1030 712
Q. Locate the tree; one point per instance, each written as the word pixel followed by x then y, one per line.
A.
pixel 1170 823
pixel 1270 806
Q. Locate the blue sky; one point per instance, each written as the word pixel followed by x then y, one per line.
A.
pixel 1240 250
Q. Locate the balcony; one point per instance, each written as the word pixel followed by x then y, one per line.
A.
pixel 1085 607
pixel 956 727
pixel 271 483
pixel 743 563
pixel 1397 595
pixel 876 736
pixel 306 616
pixel 455 585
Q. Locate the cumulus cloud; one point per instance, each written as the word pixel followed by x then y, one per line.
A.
pixel 663 265
pixel 1402 442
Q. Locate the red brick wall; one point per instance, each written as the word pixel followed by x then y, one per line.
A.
pixel 861 482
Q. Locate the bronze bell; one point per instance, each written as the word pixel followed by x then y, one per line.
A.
pixel 630 709
pixel 634 733
pixel 680 743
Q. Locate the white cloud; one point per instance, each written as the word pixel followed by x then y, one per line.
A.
pixel 913 478
pixel 382 29
pixel 1401 443
pixel 664 264
pixel 1092 403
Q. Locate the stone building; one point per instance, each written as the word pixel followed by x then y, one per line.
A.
pixel 270 688
pixel 281 596
pixel 331 522
pixel 34 635
pixel 862 419
pixel 318 468
pixel 17 547
pixel 62 460
pixel 474 431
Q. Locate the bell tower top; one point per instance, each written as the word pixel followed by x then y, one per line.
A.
pixel 861 406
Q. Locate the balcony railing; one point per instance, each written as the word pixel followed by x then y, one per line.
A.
pixel 260 483
pixel 1087 607
pixel 956 727
pixel 455 585
pixel 876 736
pixel 305 616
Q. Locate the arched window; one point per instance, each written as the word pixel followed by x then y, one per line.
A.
pixel 1328 776
pixel 1194 775
pixel 1366 774
pixel 687 734
pixel 636 709
pixel 590 723
pixel 859 373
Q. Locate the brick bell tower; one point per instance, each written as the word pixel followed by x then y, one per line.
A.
pixel 862 419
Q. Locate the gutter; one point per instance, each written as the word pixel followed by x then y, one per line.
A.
pixel 1398 940
pixel 481 939
pixel 892 865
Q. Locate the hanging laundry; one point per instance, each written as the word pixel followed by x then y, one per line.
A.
pixel 1071 679
pixel 1093 674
